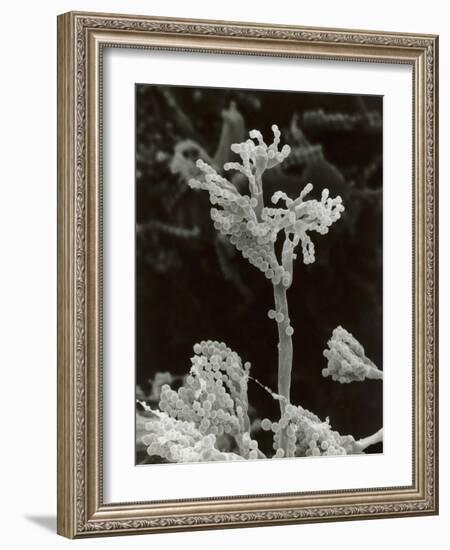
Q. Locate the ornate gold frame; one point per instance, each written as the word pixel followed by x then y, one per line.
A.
pixel 81 37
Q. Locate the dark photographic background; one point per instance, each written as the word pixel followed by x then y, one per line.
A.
pixel 191 285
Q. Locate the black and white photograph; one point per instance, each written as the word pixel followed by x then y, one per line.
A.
pixel 258 274
pixel 224 275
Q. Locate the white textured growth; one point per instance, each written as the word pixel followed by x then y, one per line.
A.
pixel 253 228
pixel 347 361
pixel 214 395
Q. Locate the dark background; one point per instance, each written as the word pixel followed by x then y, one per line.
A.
pixel 190 286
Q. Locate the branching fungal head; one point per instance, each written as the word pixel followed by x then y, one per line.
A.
pixel 257 158
pixel 254 228
pixel 347 361
pixel 214 395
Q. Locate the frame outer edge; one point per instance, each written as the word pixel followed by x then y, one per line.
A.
pixel 66 490
pixel 75 238
pixel 435 218
pixel 436 305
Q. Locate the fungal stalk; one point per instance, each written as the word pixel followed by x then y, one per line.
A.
pixel 254 228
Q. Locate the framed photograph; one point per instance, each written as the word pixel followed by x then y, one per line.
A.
pixel 247 276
